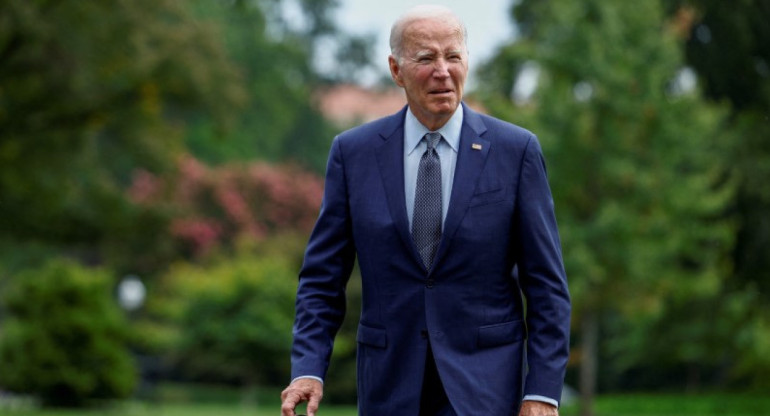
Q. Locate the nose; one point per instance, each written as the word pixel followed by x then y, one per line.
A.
pixel 441 68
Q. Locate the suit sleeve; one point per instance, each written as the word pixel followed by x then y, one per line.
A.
pixel 320 304
pixel 542 278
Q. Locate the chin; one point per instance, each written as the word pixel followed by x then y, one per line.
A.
pixel 445 108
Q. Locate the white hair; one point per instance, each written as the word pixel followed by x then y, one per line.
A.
pixel 428 11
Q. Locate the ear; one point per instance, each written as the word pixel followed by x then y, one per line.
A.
pixel 395 71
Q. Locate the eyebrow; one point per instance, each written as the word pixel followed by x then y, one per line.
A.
pixel 424 52
pixel 428 53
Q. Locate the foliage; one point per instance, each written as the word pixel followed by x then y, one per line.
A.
pixel 64 337
pixel 229 318
pixel 217 207
pixel 277 121
pixel 728 45
pixel 708 404
pixel 638 175
pixel 235 318
pixel 91 91
pixel 317 31
pixel 278 56
pixel 242 228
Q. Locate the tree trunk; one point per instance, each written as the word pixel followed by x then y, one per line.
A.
pixel 589 339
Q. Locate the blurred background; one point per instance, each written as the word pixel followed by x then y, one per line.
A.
pixel 161 166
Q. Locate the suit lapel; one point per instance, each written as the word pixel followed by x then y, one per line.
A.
pixel 472 154
pixel 470 163
pixel 390 159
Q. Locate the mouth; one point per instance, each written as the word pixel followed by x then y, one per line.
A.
pixel 440 91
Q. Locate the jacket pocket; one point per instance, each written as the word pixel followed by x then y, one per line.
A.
pixel 375 337
pixel 490 193
pixel 487 198
pixel 501 334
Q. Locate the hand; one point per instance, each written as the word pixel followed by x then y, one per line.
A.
pixel 535 408
pixel 301 390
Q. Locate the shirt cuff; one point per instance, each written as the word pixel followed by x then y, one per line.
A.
pixel 312 377
pixel 536 398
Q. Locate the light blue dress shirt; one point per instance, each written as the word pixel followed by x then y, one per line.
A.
pixel 414 147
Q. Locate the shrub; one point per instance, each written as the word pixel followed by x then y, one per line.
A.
pixel 63 338
pixel 229 319
pixel 234 317
pixel 214 207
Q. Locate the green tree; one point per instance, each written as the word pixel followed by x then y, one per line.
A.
pixel 64 338
pixel 728 45
pixel 90 91
pixel 277 58
pixel 636 164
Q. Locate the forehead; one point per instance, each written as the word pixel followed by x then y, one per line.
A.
pixel 433 33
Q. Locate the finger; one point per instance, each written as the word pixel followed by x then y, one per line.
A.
pixel 289 403
pixel 312 404
pixel 285 393
pixel 287 409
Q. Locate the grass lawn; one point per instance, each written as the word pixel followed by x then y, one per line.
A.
pixel 678 405
pixel 143 409
pixel 616 405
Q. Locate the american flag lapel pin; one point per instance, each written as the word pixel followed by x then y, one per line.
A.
pixel 476 146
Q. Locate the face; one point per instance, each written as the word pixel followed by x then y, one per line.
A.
pixel 432 69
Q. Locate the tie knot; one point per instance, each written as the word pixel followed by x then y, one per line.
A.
pixel 432 140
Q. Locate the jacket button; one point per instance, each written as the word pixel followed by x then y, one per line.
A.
pixel 429 283
pixel 424 334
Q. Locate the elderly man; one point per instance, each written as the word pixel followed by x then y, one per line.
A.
pixel 440 204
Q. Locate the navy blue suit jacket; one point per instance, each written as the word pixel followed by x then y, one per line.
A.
pixel 470 306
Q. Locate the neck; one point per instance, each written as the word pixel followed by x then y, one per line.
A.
pixel 433 122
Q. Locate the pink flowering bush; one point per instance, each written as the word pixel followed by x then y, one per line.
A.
pixel 217 206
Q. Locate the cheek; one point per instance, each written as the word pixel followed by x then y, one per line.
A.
pixel 458 72
pixel 421 76
pixel 459 76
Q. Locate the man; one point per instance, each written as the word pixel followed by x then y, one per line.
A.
pixel 439 204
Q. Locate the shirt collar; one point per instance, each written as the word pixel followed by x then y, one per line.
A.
pixel 414 130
